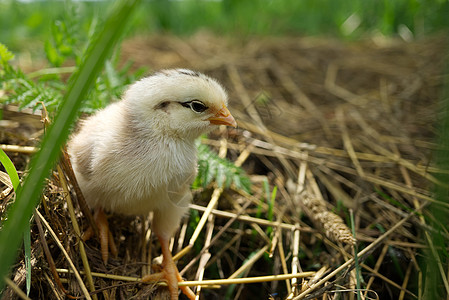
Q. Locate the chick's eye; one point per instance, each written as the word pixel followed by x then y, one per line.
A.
pixel 198 106
pixel 195 105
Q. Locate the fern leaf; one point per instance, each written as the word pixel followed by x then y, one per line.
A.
pixel 212 167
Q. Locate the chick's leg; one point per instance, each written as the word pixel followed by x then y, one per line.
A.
pixel 105 235
pixel 165 222
pixel 170 273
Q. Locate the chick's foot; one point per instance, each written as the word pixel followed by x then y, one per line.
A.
pixel 170 273
pixel 105 235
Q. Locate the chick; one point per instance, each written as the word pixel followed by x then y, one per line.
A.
pixel 139 155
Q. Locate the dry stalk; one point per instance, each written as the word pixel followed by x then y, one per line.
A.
pixel 347 141
pixel 53 288
pixel 67 167
pixel 256 227
pixel 69 260
pixel 228 245
pixel 248 219
pixel 377 267
pixel 18 149
pixel 216 238
pixel 406 280
pixel 48 255
pixel 360 255
pixel 16 289
pixel 339 91
pixel 77 230
pixel 299 95
pixel 283 261
pixel 212 203
pixel 205 256
pixel 204 283
pixel 248 264
pixel 386 279
pixel 244 96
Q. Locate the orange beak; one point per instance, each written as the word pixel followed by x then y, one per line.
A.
pixel 223 117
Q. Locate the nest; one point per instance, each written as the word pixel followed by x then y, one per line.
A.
pixel 329 132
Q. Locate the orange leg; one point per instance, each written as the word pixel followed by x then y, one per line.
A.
pixel 105 237
pixel 170 273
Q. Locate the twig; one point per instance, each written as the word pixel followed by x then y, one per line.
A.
pixel 349 262
pixel 67 166
pixel 205 256
pixel 377 267
pixel 249 262
pixel 16 289
pixel 347 141
pixel 53 288
pixel 18 149
pixel 47 253
pixel 248 219
pixel 300 97
pixel 283 261
pixel 61 247
pixel 406 280
pixel 238 85
pixel 77 230
pixel 216 237
pixel 205 283
pixel 212 204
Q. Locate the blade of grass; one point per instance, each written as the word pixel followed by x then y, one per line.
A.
pixel 436 284
pixel 271 201
pixel 27 250
pixel 10 169
pixel 14 177
pixel 29 193
pixel 356 258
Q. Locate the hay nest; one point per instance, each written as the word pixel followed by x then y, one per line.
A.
pixel 339 130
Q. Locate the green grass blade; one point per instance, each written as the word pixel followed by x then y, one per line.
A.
pixel 10 169
pixel 356 260
pixel 14 177
pixel 27 250
pixel 29 193
pixel 436 285
pixel 271 203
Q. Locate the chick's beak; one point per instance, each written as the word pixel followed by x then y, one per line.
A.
pixel 223 117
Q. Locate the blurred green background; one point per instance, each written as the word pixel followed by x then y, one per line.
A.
pixel 24 21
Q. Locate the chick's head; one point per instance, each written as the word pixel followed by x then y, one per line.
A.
pixel 179 103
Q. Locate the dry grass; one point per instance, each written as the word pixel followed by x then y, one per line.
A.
pixel 336 127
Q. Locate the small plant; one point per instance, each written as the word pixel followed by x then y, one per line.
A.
pixel 211 167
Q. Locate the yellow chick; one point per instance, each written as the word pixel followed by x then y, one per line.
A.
pixel 139 155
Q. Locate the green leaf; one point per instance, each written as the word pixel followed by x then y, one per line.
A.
pixel 5 54
pixel 27 250
pixel 225 173
pixel 53 55
pixel 81 81
pixel 10 169
pixel 14 177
